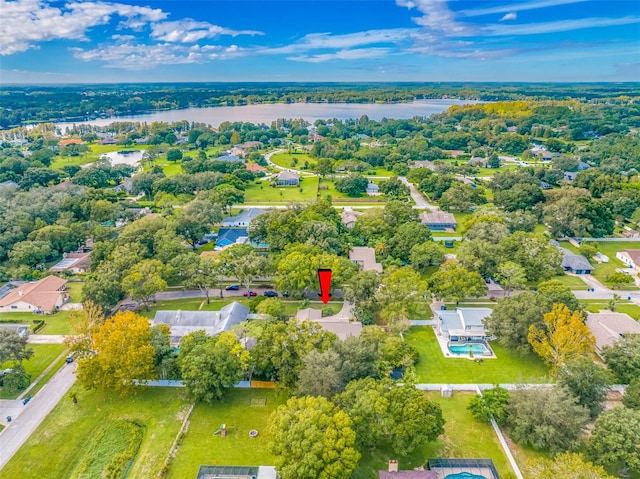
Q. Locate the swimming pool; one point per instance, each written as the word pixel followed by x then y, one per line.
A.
pixel 464 475
pixel 476 348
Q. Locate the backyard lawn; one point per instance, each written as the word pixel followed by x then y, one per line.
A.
pixel 43 355
pixel 59 443
pixel 263 193
pixel 508 367
pixel 242 411
pixel 295 161
pixel 464 437
pixel 75 291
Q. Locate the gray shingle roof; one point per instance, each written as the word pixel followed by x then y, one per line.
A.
pixel 574 261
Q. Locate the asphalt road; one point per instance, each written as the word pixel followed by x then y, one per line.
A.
pixel 421 203
pixel 19 430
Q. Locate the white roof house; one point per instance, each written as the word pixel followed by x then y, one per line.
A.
pixel 213 323
pixel 463 322
pixel 244 218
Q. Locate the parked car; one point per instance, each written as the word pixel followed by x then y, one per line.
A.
pixel 70 357
pixel 271 294
pixel 249 293
pixel 233 287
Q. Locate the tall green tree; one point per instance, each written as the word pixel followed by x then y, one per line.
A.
pixel 144 281
pixel 615 441
pixel 623 358
pixel 491 404
pixel 210 365
pixel 13 347
pixel 312 439
pixel 453 282
pixel 565 466
pixel 399 415
pixel 587 381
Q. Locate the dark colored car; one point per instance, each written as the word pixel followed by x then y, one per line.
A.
pixel 271 294
pixel 285 294
pixel 70 357
pixel 249 293
pixel 233 287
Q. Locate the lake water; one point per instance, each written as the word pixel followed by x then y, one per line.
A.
pixel 266 113
pixel 131 157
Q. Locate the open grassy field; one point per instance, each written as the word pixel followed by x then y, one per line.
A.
pixel 264 194
pixel 603 270
pixel 201 447
pixel 60 442
pixel 464 437
pixel 508 367
pixel 92 155
pixel 295 160
pixel 573 282
pixel 43 355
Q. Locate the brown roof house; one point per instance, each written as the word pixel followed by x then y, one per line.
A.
pixel 394 473
pixel 609 327
pixel 75 263
pixel 365 258
pixel 44 296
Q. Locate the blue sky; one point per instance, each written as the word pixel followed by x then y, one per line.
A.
pixel 296 40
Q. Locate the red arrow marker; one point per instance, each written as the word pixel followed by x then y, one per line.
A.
pixel 324 276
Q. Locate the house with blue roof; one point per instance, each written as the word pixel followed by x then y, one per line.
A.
pixel 229 236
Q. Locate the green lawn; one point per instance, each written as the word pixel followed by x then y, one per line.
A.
pixel 263 193
pixel 625 307
pixel 201 447
pixel 57 445
pixel 464 437
pixel 43 355
pixel 75 291
pixel 573 282
pixel 339 197
pixel 287 160
pixel 57 323
pixel 92 155
pixel 508 367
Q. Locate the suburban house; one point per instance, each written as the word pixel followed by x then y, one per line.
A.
pixel 255 168
pixel 21 329
pixel 243 219
pixel 341 327
pixel 478 161
pixel 75 263
pixel 439 220
pixel 444 469
pixel 570 175
pixel 365 258
pixel 43 296
pixel 583 166
pixel 288 178
pixel 423 164
pixel 229 236
pixel 463 324
pixel 10 184
pixel 243 149
pixel 630 257
pixel 213 323
pixel 372 189
pixel 230 158
pixel 349 217
pixel 575 263
pixel 608 327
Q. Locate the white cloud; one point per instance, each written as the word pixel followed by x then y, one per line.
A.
pixel 559 26
pixel 517 7
pixel 437 17
pixel 25 23
pixel 318 41
pixel 191 31
pixel 509 16
pixel 355 54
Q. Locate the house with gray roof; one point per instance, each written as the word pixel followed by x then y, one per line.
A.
pixel 230 158
pixel 288 178
pixel 21 329
pixel 462 324
pixel 439 220
pixel 575 263
pixel 244 218
pixel 608 327
pixel 212 323
pixel 229 236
